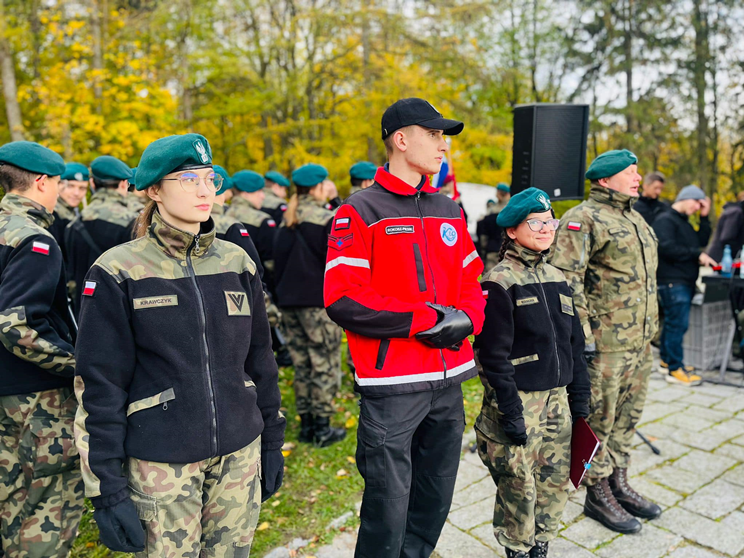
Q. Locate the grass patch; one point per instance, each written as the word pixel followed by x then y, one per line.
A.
pixel 319 484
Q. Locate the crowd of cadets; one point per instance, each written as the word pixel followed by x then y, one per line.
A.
pixel 163 407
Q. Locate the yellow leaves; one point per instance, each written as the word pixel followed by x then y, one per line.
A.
pixel 263 526
pixel 350 422
pixel 287 449
pixel 351 460
pixel 342 473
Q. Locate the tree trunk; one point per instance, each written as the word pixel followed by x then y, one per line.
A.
pixel 699 23
pixel 10 88
pixel 365 66
pixel 628 50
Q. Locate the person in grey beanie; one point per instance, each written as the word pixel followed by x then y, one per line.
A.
pixel 680 258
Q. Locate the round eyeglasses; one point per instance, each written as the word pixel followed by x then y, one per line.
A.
pixel 536 225
pixel 190 181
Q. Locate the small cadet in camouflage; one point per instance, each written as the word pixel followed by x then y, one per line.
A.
pixel 260 226
pixel 185 508
pixel 41 490
pixel 532 480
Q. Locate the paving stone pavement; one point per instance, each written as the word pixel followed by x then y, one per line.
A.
pixel 698 480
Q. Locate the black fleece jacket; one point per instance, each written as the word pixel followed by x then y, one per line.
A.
pixel 679 247
pixel 532 338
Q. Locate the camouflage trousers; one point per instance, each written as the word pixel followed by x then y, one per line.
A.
pixel 532 481
pixel 314 343
pixel 619 387
pixel 207 509
pixel 41 488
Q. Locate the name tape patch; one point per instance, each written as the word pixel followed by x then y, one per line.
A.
pixel 342 224
pixel 155 302
pixel 40 248
pixel 526 301
pixel 237 304
pixel 399 229
pixel 573 226
pixel 340 242
pixel 90 288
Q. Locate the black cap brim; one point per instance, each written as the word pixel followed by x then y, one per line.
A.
pixel 449 127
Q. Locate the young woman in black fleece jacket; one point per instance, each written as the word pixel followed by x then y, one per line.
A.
pixel 535 377
pixel 176 379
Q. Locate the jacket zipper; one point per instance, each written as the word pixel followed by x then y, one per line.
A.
pixel 203 324
pixel 431 271
pixel 550 317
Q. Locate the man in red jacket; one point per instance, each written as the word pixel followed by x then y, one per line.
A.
pixel 402 279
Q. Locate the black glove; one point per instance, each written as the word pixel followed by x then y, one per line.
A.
pixel 272 465
pixel 515 429
pixel 452 327
pixel 579 409
pixel 120 527
pixel 590 351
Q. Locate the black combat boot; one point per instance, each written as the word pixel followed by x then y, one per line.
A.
pixel 634 503
pixel 540 550
pixel 325 434
pixel 515 553
pixel 602 506
pixel 307 428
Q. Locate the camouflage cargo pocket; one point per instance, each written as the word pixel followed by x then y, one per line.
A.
pixel 147 511
pixel 502 459
pixel 50 439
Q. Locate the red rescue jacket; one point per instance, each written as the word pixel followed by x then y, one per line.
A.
pixel 391 249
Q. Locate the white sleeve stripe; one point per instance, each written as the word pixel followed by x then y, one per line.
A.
pixel 470 258
pixel 343 260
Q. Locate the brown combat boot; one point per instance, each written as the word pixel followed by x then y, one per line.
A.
pixel 602 506
pixel 629 499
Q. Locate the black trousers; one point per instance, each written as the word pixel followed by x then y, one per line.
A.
pixel 408 452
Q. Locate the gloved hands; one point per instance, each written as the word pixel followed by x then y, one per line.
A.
pixel 272 465
pixel 120 527
pixel 515 429
pixel 579 409
pixel 452 327
pixel 590 351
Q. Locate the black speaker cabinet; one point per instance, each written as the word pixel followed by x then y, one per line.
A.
pixel 550 149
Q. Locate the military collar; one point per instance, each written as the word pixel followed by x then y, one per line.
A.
pixel 177 243
pixel 217 209
pixel 104 195
pixel 20 205
pixel 612 197
pixel 311 201
pixel 270 194
pixel 238 201
pixel 528 257
pixel 397 186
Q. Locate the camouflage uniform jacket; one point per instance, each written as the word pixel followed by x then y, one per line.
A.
pixel 109 221
pixel 609 255
pixel 135 203
pixel 531 338
pixel 174 357
pixel 233 231
pixel 260 226
pixel 35 326
pixel 300 256
pixel 274 206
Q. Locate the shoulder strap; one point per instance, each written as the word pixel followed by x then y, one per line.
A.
pixel 78 225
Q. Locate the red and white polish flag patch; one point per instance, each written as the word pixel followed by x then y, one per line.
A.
pixel 485 295
pixel 40 248
pixel 90 288
pixel 244 232
pixel 573 226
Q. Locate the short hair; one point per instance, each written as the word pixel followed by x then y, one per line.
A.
pixel 357 182
pixel 388 141
pixel 655 176
pixel 99 183
pixel 15 179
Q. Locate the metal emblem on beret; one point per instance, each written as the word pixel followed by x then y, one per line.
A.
pixel 543 201
pixel 201 150
pixel 79 176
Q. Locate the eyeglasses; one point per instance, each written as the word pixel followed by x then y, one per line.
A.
pixel 190 181
pixel 536 225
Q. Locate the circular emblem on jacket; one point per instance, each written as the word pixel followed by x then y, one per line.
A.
pixel 448 234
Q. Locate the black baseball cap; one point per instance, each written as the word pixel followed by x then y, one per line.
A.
pixel 414 111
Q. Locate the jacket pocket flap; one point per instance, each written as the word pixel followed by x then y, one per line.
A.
pixel 525 359
pixel 152 401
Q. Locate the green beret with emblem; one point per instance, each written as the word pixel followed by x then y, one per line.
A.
pixel 75 171
pixel 32 157
pixel 107 167
pixel 170 154
pixel 363 171
pixel 503 187
pixel 610 163
pixel 309 175
pixel 277 178
pixel 248 181
pixel 531 200
pixel 227 182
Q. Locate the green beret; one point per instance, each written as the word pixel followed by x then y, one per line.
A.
pixel 75 171
pixel 169 154
pixel 309 175
pixel 32 157
pixel 107 167
pixel 132 180
pixel 502 187
pixel 522 204
pixel 227 182
pixel 277 178
pixel 248 181
pixel 363 171
pixel 610 163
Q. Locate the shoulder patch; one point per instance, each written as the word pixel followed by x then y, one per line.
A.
pixel 237 304
pixel 574 226
pixel 341 224
pixel 271 223
pixel 90 288
pixel 244 232
pixel 340 242
pixel 40 248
